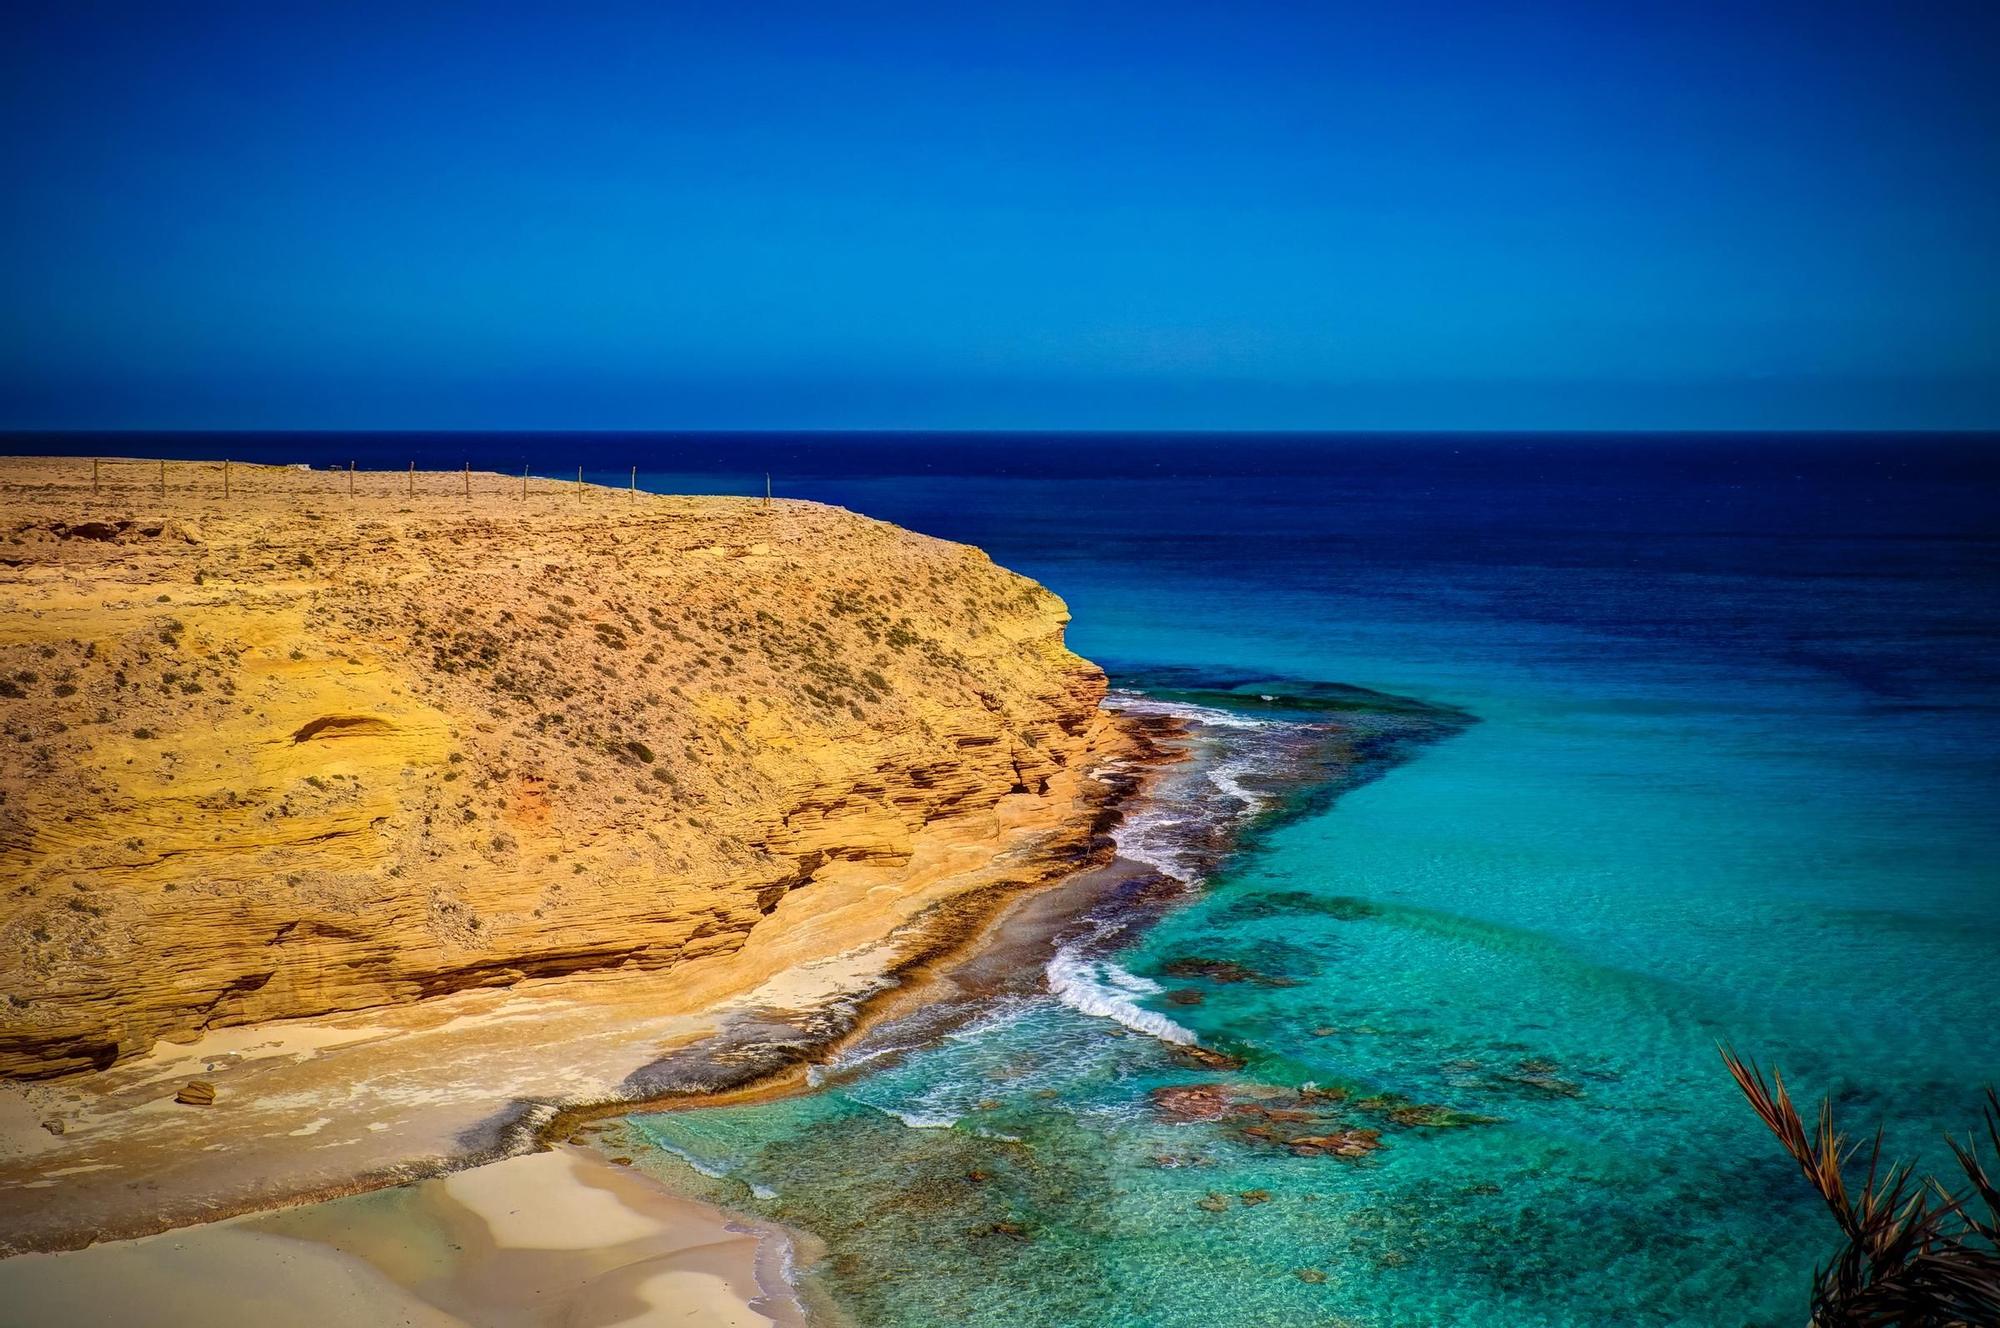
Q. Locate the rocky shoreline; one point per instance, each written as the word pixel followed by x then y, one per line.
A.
pixel 776 789
pixel 452 1062
pixel 1222 780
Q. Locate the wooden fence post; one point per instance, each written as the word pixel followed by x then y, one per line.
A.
pixel 225 479
pixel 413 479
pixel 163 477
pixel 468 479
pixel 350 479
pixel 93 477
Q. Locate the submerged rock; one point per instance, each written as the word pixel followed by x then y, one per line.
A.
pixel 1540 1074
pixel 1400 1111
pixel 1436 1117
pixel 1225 971
pixel 1201 1058
pixel 1293 1114
pixel 1191 1102
pixel 1345 1143
pixel 1279 903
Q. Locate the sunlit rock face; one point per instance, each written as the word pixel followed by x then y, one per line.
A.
pixel 290 753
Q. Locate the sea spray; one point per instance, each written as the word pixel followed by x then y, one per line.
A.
pixel 917 1120
pixel 1138 703
pixel 1147 838
pixel 1100 988
pixel 1228 779
pixel 1175 829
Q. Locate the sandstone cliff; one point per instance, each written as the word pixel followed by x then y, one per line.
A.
pixel 292 752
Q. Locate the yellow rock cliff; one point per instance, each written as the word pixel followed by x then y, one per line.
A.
pixel 290 752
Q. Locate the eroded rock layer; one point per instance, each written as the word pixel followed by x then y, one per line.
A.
pixel 290 752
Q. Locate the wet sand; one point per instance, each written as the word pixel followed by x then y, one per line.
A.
pixel 563 1237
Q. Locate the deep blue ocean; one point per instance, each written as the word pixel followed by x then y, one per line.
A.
pixel 1735 777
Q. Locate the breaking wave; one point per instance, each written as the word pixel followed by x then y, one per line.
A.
pixel 1139 703
pixel 1103 990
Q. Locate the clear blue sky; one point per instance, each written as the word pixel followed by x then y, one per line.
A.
pixel 1589 215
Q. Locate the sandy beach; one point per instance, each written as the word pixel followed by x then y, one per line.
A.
pixel 563 1237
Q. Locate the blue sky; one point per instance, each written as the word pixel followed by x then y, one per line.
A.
pixel 1107 216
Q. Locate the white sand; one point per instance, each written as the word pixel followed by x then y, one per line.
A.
pixel 534 1202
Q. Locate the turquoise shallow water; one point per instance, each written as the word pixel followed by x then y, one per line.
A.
pixel 1732 780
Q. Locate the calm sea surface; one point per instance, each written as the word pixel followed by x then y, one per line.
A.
pixel 1733 778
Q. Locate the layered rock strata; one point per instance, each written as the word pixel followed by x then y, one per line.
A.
pixel 290 752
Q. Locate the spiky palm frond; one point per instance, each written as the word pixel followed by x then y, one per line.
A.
pixel 1914 1254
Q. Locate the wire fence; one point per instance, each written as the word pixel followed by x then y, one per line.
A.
pixel 129 480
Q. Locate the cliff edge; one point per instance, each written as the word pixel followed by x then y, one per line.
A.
pixel 293 752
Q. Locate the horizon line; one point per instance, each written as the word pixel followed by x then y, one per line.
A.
pixel 1983 431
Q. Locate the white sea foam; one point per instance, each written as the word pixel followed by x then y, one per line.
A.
pixel 843 1061
pixel 1002 1015
pixel 713 1170
pixel 919 1119
pixel 1227 778
pixel 1139 703
pixel 1144 837
pixel 936 1107
pixel 1101 989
